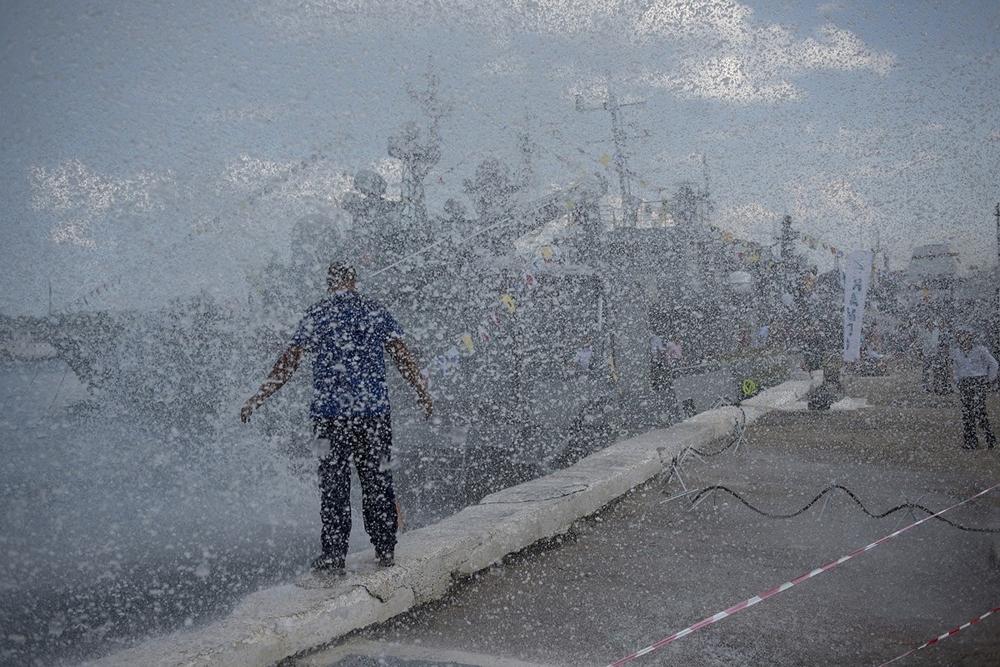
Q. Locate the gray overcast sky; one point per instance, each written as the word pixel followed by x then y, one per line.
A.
pixel 134 135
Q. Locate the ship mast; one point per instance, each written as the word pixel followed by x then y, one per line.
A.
pixel 630 203
pixel 996 214
pixel 418 155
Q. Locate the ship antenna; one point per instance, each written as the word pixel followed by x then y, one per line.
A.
pixel 418 154
pixel 705 193
pixel 630 204
pixel 996 214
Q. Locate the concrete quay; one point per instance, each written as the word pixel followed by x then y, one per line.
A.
pixel 272 625
pixel 838 501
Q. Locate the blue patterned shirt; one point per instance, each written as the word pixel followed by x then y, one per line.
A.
pixel 347 333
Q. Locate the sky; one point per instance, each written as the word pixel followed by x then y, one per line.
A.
pixel 152 151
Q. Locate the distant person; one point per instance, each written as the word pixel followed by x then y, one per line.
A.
pixel 928 341
pixel 657 361
pixel 744 338
pixel 813 343
pixel 665 359
pixel 975 369
pixel 940 376
pixel 347 334
pixel 763 336
pixel 674 353
pixel 873 360
pixel 584 356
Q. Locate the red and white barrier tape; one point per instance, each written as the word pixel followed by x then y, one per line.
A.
pixel 944 636
pixel 785 586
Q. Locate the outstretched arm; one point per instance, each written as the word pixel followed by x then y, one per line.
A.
pixel 408 368
pixel 283 369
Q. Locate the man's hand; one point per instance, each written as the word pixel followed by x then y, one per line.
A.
pixel 283 369
pixel 408 368
pixel 246 411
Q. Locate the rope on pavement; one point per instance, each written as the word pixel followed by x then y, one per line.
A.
pixel 838 487
pixel 740 434
pixel 944 636
pixel 785 586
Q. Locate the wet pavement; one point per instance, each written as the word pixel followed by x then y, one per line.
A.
pixel 654 562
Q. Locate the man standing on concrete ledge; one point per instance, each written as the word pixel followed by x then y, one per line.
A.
pixel 347 333
pixel 975 369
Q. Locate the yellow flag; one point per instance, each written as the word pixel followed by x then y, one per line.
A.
pixel 467 341
pixel 508 301
pixel 605 159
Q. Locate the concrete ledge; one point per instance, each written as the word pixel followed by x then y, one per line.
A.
pixel 277 622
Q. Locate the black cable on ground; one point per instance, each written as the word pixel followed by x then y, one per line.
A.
pixel 832 487
pixel 740 431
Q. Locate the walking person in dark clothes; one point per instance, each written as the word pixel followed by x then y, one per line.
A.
pixel 928 341
pixel 975 369
pixel 940 381
pixel 347 334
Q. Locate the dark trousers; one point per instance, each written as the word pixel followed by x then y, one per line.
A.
pixel 367 441
pixel 927 371
pixel 940 376
pixel 973 394
pixel 661 376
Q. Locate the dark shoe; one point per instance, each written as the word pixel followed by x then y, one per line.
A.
pixel 970 446
pixel 386 560
pixel 328 565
